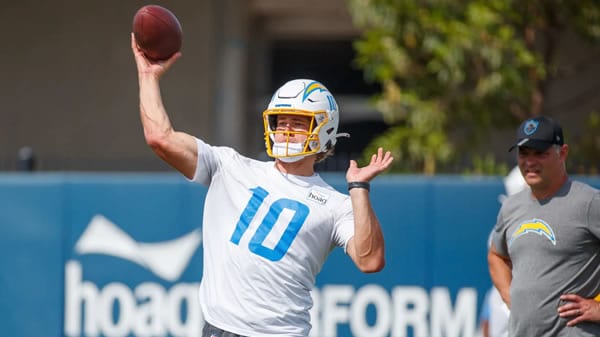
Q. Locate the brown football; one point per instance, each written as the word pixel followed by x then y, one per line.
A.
pixel 157 32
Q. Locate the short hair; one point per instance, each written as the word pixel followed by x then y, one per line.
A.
pixel 557 148
pixel 321 156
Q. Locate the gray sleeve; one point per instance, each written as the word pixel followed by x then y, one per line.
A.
pixel 499 235
pixel 594 215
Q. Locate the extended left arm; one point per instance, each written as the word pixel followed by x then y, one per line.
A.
pixel 366 247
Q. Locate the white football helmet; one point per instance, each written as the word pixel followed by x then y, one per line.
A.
pixel 302 97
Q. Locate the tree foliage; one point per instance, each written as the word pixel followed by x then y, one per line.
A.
pixel 453 70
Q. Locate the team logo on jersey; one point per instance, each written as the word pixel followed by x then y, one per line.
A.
pixel 317 197
pixel 166 259
pixel 537 226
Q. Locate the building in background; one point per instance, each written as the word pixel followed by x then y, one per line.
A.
pixel 70 90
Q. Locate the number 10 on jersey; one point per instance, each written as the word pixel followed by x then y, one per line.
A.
pixel 266 225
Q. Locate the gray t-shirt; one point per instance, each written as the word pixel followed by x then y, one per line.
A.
pixel 554 246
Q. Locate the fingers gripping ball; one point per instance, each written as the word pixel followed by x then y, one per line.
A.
pixel 157 32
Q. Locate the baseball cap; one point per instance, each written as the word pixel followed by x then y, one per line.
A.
pixel 539 133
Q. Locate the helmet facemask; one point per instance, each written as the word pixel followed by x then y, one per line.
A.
pixel 302 98
pixel 288 150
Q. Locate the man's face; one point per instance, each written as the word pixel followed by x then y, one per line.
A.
pixel 294 127
pixel 540 168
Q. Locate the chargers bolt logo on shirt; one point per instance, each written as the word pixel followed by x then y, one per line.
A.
pixel 530 127
pixel 537 226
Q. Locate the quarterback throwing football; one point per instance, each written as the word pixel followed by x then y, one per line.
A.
pixel 269 226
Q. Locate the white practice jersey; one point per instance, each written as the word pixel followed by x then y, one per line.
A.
pixel 266 236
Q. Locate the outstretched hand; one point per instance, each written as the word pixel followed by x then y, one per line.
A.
pixel 150 67
pixel 379 163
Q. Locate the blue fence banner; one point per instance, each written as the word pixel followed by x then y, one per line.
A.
pixel 120 254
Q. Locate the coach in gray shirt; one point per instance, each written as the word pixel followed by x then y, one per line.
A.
pixel 545 256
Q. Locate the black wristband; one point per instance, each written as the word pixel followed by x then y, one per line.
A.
pixel 358 184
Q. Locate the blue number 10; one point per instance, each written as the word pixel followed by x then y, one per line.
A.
pixel 256 243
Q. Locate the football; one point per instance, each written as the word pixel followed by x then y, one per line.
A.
pixel 157 32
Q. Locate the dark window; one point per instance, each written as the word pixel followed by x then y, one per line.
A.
pixel 329 62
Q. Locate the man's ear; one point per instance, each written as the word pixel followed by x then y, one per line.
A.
pixel 564 151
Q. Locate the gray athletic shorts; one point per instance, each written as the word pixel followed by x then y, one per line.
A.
pixel 210 330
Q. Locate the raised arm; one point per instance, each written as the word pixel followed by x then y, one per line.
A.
pixel 178 149
pixel 366 248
